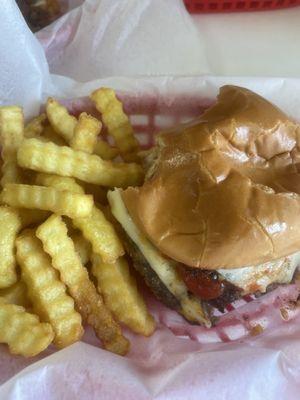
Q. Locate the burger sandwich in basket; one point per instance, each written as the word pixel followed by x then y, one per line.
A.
pixel 218 216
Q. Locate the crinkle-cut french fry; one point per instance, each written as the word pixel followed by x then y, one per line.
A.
pixel 62 122
pixel 82 247
pixel 59 182
pixel 99 193
pixel 105 151
pixel 95 228
pixel 32 217
pixel 10 172
pixel 35 127
pixel 10 225
pixel 53 234
pixel 16 294
pixel 11 136
pixel 85 133
pixel 101 234
pixel 23 332
pixel 49 135
pixel 71 204
pixel 47 293
pixel 11 126
pixel 116 121
pixel 62 160
pixel 121 295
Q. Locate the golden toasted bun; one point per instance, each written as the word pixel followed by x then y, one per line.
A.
pixel 224 190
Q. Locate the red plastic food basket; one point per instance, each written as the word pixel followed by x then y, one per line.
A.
pixel 210 6
pixel 149 114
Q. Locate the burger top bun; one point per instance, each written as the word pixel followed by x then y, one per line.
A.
pixel 223 191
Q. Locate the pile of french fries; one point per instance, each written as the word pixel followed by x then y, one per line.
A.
pixel 62 264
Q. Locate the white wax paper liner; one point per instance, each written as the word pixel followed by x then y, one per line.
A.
pixel 196 363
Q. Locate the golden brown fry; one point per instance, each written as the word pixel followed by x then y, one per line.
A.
pixel 11 136
pixel 121 296
pixel 116 121
pixel 49 135
pixel 62 122
pixel 10 225
pixel 82 247
pixel 35 127
pixel 72 205
pixel 10 172
pixel 62 160
pixel 59 182
pixel 11 126
pixel 95 228
pixel 105 151
pixel 85 133
pixel 16 294
pixel 47 293
pixel 53 234
pixel 31 217
pixel 101 234
pixel 23 332
pixel 109 216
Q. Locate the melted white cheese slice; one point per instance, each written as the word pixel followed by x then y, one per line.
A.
pixel 164 268
pixel 258 277
pixel 250 279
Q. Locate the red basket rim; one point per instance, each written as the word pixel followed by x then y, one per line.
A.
pixel 225 6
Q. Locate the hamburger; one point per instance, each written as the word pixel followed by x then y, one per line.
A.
pixel 218 215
